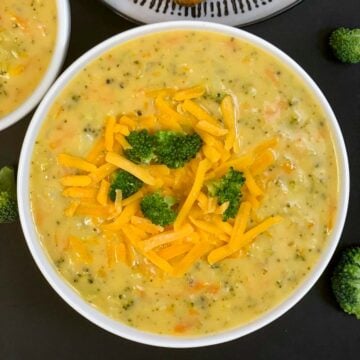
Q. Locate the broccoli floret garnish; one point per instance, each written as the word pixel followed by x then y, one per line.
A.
pixel 175 149
pixel 8 204
pixel 346 281
pixel 126 182
pixel 159 208
pixel 228 189
pixel 345 44
pixel 142 147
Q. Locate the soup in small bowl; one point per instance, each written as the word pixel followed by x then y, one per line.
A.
pixel 33 43
pixel 183 184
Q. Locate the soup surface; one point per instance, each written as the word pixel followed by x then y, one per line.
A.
pixel 277 118
pixel 27 38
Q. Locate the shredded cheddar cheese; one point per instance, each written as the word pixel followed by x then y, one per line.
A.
pixel 191 93
pixel 211 129
pixel 76 180
pixel 79 192
pixel 102 195
pixel 167 237
pixel 198 230
pixel 125 164
pixel 109 133
pixel 193 194
pixel 75 162
pixel 228 113
pixel 199 113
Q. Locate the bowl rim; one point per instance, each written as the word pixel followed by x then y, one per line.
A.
pixel 70 295
pixel 54 66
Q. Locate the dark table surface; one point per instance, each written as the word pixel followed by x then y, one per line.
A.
pixel 35 323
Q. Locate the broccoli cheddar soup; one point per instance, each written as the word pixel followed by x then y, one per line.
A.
pixel 27 38
pixel 184 183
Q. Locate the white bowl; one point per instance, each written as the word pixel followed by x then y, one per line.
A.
pixel 85 309
pixel 61 45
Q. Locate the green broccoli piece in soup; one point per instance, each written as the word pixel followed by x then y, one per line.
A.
pixel 8 203
pixel 345 44
pixel 175 149
pixel 346 281
pixel 228 189
pixel 142 147
pixel 126 182
pixel 159 208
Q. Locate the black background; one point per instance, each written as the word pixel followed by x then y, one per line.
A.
pixel 35 323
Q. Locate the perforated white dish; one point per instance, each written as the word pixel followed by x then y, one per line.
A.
pixel 229 12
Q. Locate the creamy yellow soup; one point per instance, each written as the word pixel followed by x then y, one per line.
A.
pixel 27 38
pixel 300 186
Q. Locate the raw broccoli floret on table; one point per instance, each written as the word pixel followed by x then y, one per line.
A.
pixel 346 281
pixel 345 44
pixel 8 203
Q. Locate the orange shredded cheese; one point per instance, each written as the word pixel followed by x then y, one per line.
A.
pixel 109 133
pixel 171 117
pixel 194 193
pixel 122 129
pixel 228 113
pixel 125 164
pixel 146 225
pixel 251 184
pixel 128 121
pixel 265 145
pixel 190 258
pixel 96 151
pixel 92 210
pixel 211 129
pixel 211 153
pixel 122 141
pixel 167 237
pixel 238 229
pixel 250 235
pixel 190 93
pixel 78 248
pixel 206 226
pixel 76 180
pixel 264 160
pixel 75 162
pixel 175 250
pixel 199 113
pixel 150 255
pixel 123 218
pixel 133 198
pixel 198 230
pixel 120 252
pixel 102 172
pixel 70 211
pixel 102 195
pixel 79 192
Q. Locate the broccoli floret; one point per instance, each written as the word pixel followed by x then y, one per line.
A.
pixel 126 182
pixel 346 281
pixel 345 44
pixel 142 147
pixel 228 189
pixel 8 204
pixel 175 149
pixel 159 208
